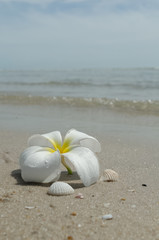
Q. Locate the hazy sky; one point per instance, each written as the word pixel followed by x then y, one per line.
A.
pixel 55 34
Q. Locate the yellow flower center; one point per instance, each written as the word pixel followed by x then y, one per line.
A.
pixel 66 147
pixel 62 149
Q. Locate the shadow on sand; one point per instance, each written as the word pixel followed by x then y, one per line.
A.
pixel 65 177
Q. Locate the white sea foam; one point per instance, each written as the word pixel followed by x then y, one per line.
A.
pixel 142 107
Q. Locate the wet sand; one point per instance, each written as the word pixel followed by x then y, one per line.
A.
pixel 129 146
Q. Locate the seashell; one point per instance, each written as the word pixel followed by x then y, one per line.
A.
pixel 29 207
pixel 60 189
pixel 109 176
pixel 80 196
pixel 107 217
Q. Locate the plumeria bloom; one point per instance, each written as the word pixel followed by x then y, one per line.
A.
pixel 41 161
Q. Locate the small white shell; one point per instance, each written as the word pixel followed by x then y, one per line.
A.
pixel 60 188
pixel 109 176
pixel 29 207
pixel 107 217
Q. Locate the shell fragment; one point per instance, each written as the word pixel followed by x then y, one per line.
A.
pixel 80 196
pixel 107 217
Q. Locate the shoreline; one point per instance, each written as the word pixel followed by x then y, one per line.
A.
pixel 65 116
pixel 138 107
pixel 129 146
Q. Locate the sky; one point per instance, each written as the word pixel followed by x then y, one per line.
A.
pixel 73 34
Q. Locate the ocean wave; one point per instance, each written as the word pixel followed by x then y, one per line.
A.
pixel 142 107
pixel 67 82
pixel 78 83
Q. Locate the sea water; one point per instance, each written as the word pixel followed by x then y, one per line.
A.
pixel 126 89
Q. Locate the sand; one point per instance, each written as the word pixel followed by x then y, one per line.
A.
pixel 28 212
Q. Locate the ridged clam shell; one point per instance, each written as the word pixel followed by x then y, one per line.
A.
pixel 109 175
pixel 60 189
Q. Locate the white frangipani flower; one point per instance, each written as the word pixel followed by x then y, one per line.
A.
pixel 41 161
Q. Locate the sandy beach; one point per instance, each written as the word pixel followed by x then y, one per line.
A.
pixel 129 146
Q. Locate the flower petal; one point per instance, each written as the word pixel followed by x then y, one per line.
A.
pixel 39 140
pixel 75 137
pixel 52 140
pixel 55 138
pixel 85 163
pixel 39 165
